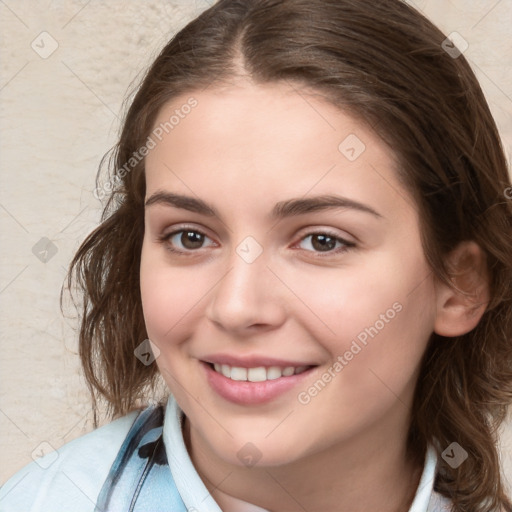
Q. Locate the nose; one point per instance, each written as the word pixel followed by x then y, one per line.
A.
pixel 247 298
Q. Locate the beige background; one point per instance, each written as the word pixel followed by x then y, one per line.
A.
pixel 59 115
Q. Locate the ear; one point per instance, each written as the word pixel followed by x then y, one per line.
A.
pixel 460 307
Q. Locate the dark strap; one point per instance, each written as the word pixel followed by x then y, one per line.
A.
pixel 140 479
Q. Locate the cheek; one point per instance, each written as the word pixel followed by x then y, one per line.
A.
pixel 377 317
pixel 373 367
pixel 381 315
pixel 168 294
pixel 340 304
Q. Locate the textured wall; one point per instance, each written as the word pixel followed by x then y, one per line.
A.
pixel 59 114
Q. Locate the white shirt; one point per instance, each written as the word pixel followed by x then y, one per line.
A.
pixel 71 477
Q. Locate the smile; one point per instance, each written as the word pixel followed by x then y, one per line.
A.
pixel 259 373
pixel 254 384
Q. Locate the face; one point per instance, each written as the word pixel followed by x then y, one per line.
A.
pixel 282 275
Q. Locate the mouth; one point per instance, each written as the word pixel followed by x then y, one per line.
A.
pixel 253 385
pixel 258 373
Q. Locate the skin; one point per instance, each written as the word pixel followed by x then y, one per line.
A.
pixel 244 148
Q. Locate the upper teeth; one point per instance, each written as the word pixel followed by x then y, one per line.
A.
pixel 258 374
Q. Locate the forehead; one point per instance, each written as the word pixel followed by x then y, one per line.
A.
pixel 269 114
pixel 254 142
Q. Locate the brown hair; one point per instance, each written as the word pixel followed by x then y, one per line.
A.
pixel 387 64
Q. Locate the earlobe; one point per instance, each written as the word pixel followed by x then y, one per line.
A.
pixel 460 307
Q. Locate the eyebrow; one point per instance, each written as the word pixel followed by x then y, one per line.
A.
pixel 282 209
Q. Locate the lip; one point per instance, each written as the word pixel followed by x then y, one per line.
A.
pixel 253 361
pixel 251 393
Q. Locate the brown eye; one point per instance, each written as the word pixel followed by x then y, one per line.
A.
pixel 324 243
pixel 191 239
pixel 185 240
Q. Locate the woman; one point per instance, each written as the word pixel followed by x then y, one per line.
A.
pixel 309 221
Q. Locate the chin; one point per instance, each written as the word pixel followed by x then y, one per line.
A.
pixel 243 452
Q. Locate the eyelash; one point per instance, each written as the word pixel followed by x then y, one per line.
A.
pixel 164 239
